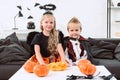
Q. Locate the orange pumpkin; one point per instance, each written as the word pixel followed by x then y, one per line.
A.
pixel 28 66
pixel 87 68
pixel 30 63
pixel 41 70
pixel 84 61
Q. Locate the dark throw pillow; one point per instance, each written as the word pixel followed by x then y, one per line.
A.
pixel 117 52
pixel 107 45
pixel 11 50
pixel 4 41
pixel 102 49
pixel 93 41
pixel 101 53
pixel 12 53
pixel 13 38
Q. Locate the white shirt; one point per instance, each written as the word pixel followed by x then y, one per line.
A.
pixel 77 51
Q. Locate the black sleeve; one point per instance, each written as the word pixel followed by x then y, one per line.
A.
pixel 36 39
pixel 60 37
pixel 65 41
pixel 30 37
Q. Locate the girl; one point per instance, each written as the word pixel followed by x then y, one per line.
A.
pixel 76 47
pixel 47 44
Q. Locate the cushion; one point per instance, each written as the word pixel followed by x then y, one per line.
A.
pixel 101 53
pixel 102 44
pixel 107 45
pixel 4 41
pixel 11 50
pixel 93 41
pixel 102 49
pixel 13 38
pixel 117 52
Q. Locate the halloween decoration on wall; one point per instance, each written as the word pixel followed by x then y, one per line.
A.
pixel 36 4
pixel 30 24
pixel 48 7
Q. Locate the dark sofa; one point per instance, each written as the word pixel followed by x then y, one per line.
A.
pixel 9 67
pixel 107 53
pixel 13 54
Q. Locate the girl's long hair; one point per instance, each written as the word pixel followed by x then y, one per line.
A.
pixel 53 37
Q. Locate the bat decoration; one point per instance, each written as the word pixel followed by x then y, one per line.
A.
pixel 19 7
pixel 36 4
pixel 48 7
pixel 28 9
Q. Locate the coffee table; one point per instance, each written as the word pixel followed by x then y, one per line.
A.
pixel 21 74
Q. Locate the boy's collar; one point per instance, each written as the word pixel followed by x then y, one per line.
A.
pixel 74 39
pixel 80 38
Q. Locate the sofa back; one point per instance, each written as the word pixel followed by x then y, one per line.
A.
pixel 113 40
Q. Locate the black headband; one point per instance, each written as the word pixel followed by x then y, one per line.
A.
pixel 48 12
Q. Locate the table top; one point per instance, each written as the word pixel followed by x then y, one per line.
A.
pixel 21 74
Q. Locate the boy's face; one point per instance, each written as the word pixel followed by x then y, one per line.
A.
pixel 74 30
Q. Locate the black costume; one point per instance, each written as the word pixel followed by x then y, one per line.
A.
pixel 42 40
pixel 84 45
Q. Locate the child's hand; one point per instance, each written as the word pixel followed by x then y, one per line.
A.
pixel 67 63
pixel 42 63
pixel 74 64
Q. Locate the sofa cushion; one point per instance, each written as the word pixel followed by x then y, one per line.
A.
pixel 93 41
pixel 107 45
pixel 98 52
pixel 13 38
pixel 102 44
pixel 12 50
pixel 117 52
pixel 4 41
pixel 102 49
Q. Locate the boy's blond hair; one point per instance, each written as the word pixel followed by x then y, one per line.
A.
pixel 76 21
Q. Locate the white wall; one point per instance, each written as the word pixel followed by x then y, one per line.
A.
pixel 91 13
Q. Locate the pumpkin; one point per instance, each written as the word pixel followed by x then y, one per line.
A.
pixel 28 66
pixel 86 67
pixel 83 61
pixel 30 63
pixel 41 70
pixel 58 66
